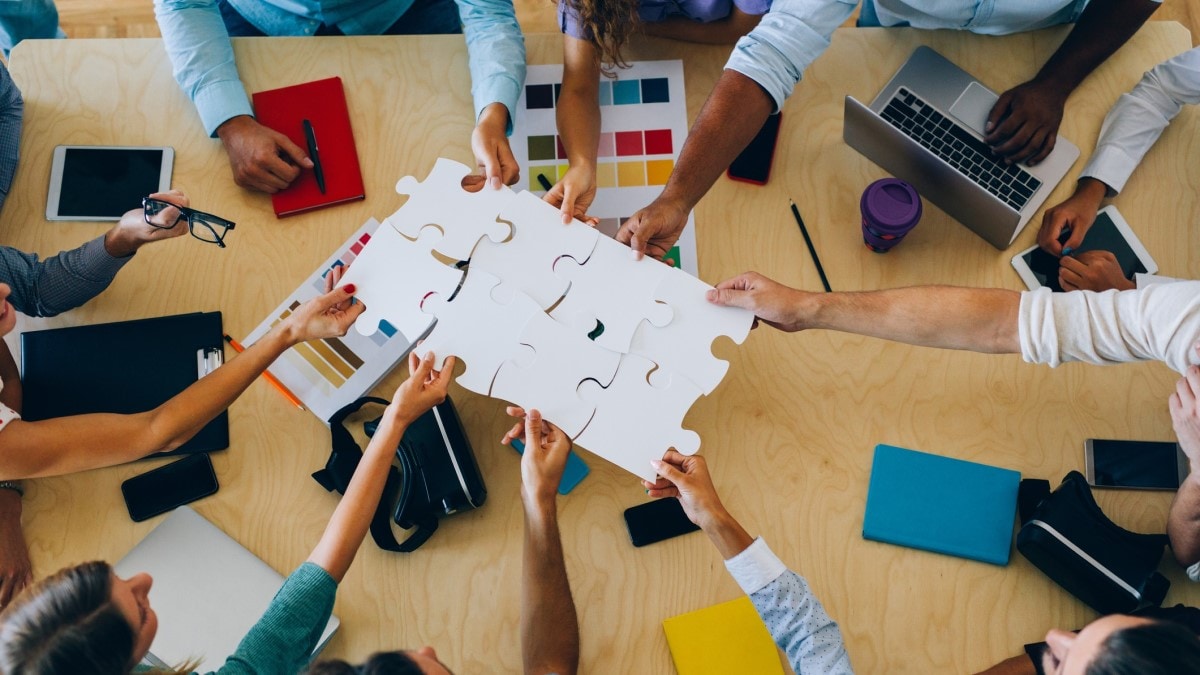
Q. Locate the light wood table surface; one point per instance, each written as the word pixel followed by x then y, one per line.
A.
pixel 789 433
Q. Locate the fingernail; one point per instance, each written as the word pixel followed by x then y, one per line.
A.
pixel 656 463
pixel 633 252
pixel 647 492
pixel 349 288
pixel 1067 250
pixel 988 126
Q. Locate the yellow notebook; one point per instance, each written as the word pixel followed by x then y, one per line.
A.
pixel 722 639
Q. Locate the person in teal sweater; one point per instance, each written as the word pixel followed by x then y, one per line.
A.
pixel 85 619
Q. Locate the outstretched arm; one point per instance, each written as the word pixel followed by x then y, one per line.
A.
pixel 496 57
pixel 1183 522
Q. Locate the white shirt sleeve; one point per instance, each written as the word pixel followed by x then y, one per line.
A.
pixel 1139 117
pixel 1160 322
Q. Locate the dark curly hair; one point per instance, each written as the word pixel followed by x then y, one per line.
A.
pixel 381 663
pixel 1154 648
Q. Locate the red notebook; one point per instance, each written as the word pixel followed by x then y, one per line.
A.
pixel 323 104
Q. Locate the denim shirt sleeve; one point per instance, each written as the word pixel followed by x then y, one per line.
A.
pixel 202 58
pixel 495 53
pixel 790 37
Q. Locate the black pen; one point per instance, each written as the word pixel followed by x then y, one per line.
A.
pixel 314 153
pixel 544 182
pixel 811 250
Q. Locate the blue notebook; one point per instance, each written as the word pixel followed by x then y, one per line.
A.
pixel 941 504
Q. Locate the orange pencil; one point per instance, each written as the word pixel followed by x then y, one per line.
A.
pixel 270 378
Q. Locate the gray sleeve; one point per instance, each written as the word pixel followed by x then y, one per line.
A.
pixel 59 283
pixel 11 111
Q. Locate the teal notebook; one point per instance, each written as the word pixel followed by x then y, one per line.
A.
pixel 941 504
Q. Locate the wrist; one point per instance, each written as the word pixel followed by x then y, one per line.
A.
pixel 1092 190
pixel 10 504
pixel 494 117
pixel 540 508
pixel 234 125
pixel 119 243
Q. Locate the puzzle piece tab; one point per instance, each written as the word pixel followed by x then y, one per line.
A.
pixel 464 217
pixel 636 421
pixel 562 359
pixel 615 289
pixel 392 275
pixel 479 327
pixel 526 261
pixel 683 347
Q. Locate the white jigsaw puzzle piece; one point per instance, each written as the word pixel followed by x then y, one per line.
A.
pixel 392 275
pixel 526 261
pixel 615 289
pixel 683 347
pixel 562 359
pixel 479 326
pixel 636 421
pixel 464 217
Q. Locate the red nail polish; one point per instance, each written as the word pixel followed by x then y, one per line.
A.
pixel 349 288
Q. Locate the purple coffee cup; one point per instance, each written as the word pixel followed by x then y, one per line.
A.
pixel 890 209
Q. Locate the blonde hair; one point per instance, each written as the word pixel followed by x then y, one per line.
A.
pixel 607 24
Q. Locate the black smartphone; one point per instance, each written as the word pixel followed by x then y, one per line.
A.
pixel 1140 465
pixel 754 164
pixel 657 520
pixel 166 487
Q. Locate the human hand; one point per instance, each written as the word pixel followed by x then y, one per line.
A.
pixel 16 572
pixel 1023 125
pixel 687 479
pixel 262 159
pixel 1185 416
pixel 424 388
pixel 132 231
pixel 1092 271
pixel 544 459
pixel 654 229
pixel 325 316
pixel 493 154
pixel 778 305
pixel 1076 214
pixel 574 194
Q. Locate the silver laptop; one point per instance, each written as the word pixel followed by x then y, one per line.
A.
pixel 926 127
pixel 208 590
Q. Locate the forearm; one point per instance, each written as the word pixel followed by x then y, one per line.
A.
pixel 1183 522
pixel 10 375
pixel 61 282
pixel 495 52
pixel 1103 27
pixel 578 116
pixel 352 518
pixel 947 317
pixel 1017 665
pixel 549 627
pixel 721 32
pixel 727 534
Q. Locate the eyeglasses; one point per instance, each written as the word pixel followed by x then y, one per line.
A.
pixel 204 226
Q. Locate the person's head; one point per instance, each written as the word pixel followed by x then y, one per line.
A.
pixel 608 23
pixel 423 661
pixel 8 315
pixel 1120 644
pixel 81 619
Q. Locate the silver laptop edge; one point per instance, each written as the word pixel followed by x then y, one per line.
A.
pixel 945 87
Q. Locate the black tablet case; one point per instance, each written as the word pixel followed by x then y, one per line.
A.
pixel 123 367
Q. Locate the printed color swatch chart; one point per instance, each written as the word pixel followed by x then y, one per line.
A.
pixel 328 374
pixel 643 122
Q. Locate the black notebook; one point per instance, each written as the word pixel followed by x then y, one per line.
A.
pixel 124 367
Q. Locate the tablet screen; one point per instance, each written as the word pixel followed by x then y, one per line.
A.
pixel 107 182
pixel 1103 236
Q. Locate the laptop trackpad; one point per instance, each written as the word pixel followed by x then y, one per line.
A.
pixel 973 106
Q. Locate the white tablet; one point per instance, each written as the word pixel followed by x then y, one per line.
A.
pixel 102 183
pixel 1110 233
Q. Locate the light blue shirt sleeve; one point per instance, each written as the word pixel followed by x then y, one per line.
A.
pixel 790 37
pixel 797 621
pixel 27 19
pixel 202 58
pixel 495 53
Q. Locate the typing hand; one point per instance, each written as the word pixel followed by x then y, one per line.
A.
pixel 1076 214
pixel 493 154
pixel 15 570
pixel 325 316
pixel 424 388
pixel 262 159
pixel 778 305
pixel 574 194
pixel 1023 125
pixel 654 229
pixel 132 231
pixel 1185 415
pixel 1092 271
pixel 687 479
pixel 544 459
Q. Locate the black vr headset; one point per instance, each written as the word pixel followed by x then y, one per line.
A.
pixel 438 473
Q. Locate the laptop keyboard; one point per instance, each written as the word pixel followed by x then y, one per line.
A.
pixel 954 144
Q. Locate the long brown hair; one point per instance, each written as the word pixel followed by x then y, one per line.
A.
pixel 67 623
pixel 608 24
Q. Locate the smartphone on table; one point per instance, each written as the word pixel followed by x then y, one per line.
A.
pixel 753 165
pixel 1138 465
pixel 657 520
pixel 169 486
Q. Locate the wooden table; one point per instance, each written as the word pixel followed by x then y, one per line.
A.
pixel 789 433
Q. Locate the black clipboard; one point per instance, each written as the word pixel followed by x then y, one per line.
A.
pixel 123 367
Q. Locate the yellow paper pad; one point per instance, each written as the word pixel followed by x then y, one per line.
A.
pixel 722 639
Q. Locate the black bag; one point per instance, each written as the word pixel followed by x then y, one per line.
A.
pixel 439 475
pixel 1066 535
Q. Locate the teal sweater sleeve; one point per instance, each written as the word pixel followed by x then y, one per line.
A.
pixel 282 641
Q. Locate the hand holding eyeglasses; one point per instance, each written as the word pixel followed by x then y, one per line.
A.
pixel 133 230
